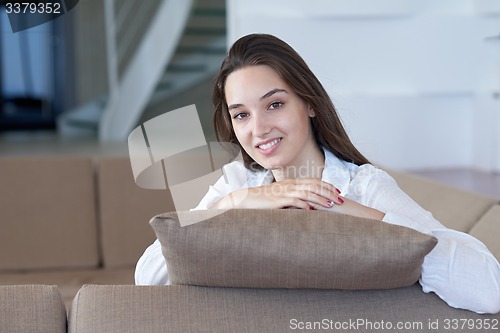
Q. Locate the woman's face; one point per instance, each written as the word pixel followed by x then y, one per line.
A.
pixel 270 121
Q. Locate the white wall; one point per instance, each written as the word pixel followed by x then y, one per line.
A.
pixel 415 82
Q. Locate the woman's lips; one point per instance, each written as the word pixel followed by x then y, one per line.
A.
pixel 269 146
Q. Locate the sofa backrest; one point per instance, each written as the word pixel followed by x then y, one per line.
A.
pixel 124 212
pixel 73 212
pixel 47 213
pixel 245 310
pixel 31 308
pixel 455 208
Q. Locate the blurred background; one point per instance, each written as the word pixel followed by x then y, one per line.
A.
pixel 416 83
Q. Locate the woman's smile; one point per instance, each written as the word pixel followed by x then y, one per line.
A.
pixel 269 146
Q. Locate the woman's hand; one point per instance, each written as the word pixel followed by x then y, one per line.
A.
pixel 351 207
pixel 300 193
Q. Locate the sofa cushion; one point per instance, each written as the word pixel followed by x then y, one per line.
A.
pixel 455 208
pixel 47 213
pixel 70 281
pixel 123 210
pixel 280 248
pixel 32 308
pixel 487 230
pixel 160 309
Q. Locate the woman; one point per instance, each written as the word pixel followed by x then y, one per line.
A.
pixel 297 155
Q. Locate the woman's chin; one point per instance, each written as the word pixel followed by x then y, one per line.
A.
pixel 270 163
pixel 271 166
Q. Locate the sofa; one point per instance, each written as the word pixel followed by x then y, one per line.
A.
pixel 73 229
pixel 73 220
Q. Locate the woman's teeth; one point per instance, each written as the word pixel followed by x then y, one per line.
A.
pixel 269 144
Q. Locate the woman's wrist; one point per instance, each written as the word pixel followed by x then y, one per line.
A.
pixel 232 200
pixel 351 207
pixel 223 203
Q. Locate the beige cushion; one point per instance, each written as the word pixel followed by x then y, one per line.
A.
pixel 70 281
pixel 279 248
pixel 455 208
pixel 47 213
pixel 487 230
pixel 160 309
pixel 33 308
pixel 124 209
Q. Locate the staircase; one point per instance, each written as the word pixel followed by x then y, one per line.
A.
pixel 154 53
pixel 200 51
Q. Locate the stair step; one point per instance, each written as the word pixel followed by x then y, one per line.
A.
pixel 206 22
pixel 218 12
pixel 202 40
pixel 183 68
pixel 172 79
pixel 174 82
pixel 201 49
pixel 205 31
pixel 210 4
pixel 191 59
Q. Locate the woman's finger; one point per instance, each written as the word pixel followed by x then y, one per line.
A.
pixel 324 196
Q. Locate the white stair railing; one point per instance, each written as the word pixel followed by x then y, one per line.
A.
pixel 131 91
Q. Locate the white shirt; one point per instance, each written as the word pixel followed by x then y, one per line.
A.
pixel 460 269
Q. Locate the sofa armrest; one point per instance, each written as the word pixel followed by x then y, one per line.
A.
pixel 31 308
pixel 206 309
pixel 455 208
pixel 487 230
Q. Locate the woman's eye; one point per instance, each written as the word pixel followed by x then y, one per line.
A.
pixel 240 115
pixel 275 105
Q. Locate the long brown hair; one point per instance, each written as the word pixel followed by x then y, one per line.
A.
pixel 263 49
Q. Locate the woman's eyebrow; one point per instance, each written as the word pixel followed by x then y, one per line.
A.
pixel 268 94
pixel 234 106
pixel 272 92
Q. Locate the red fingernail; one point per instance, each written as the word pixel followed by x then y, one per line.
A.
pixel 312 208
pixel 340 200
pixel 338 191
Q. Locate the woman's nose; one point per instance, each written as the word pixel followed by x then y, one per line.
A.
pixel 261 125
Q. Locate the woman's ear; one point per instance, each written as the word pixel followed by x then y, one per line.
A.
pixel 310 111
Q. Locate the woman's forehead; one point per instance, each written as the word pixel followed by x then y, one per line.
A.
pixel 252 82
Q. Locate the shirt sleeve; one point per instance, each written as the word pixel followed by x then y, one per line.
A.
pixel 215 193
pixel 234 177
pixel 460 269
pixel 151 269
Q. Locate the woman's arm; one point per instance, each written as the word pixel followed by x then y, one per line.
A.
pixel 299 193
pixel 460 269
